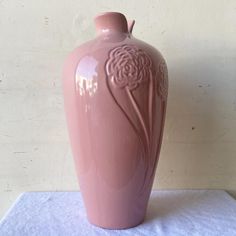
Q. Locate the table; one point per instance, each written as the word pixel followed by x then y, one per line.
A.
pixel 170 212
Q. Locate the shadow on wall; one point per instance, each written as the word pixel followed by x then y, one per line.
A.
pixel 199 142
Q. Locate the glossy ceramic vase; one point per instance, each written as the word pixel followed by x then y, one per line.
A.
pixel 115 92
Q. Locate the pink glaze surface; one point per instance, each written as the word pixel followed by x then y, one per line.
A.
pixel 115 92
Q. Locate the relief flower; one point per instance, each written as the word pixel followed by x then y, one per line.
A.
pixel 128 66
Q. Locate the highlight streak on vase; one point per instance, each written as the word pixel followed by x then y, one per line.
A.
pixel 162 92
pixel 150 103
pixel 163 86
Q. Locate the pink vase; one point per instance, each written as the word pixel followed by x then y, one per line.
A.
pixel 115 91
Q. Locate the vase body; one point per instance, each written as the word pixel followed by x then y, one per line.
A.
pixel 115 91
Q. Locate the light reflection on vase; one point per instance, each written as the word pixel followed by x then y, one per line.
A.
pixel 85 76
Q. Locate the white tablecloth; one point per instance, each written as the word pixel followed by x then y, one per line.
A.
pixel 175 212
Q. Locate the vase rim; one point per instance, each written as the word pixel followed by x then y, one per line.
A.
pixel 106 13
pixel 108 22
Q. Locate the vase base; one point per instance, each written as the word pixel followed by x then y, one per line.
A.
pixel 117 226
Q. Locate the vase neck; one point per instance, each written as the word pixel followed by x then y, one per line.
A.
pixel 111 22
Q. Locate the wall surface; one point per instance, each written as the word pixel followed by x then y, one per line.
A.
pixel 198 40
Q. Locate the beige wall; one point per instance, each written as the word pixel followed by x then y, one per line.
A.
pixel 198 40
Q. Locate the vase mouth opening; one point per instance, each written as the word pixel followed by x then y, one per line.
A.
pixel 109 13
pixel 110 22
